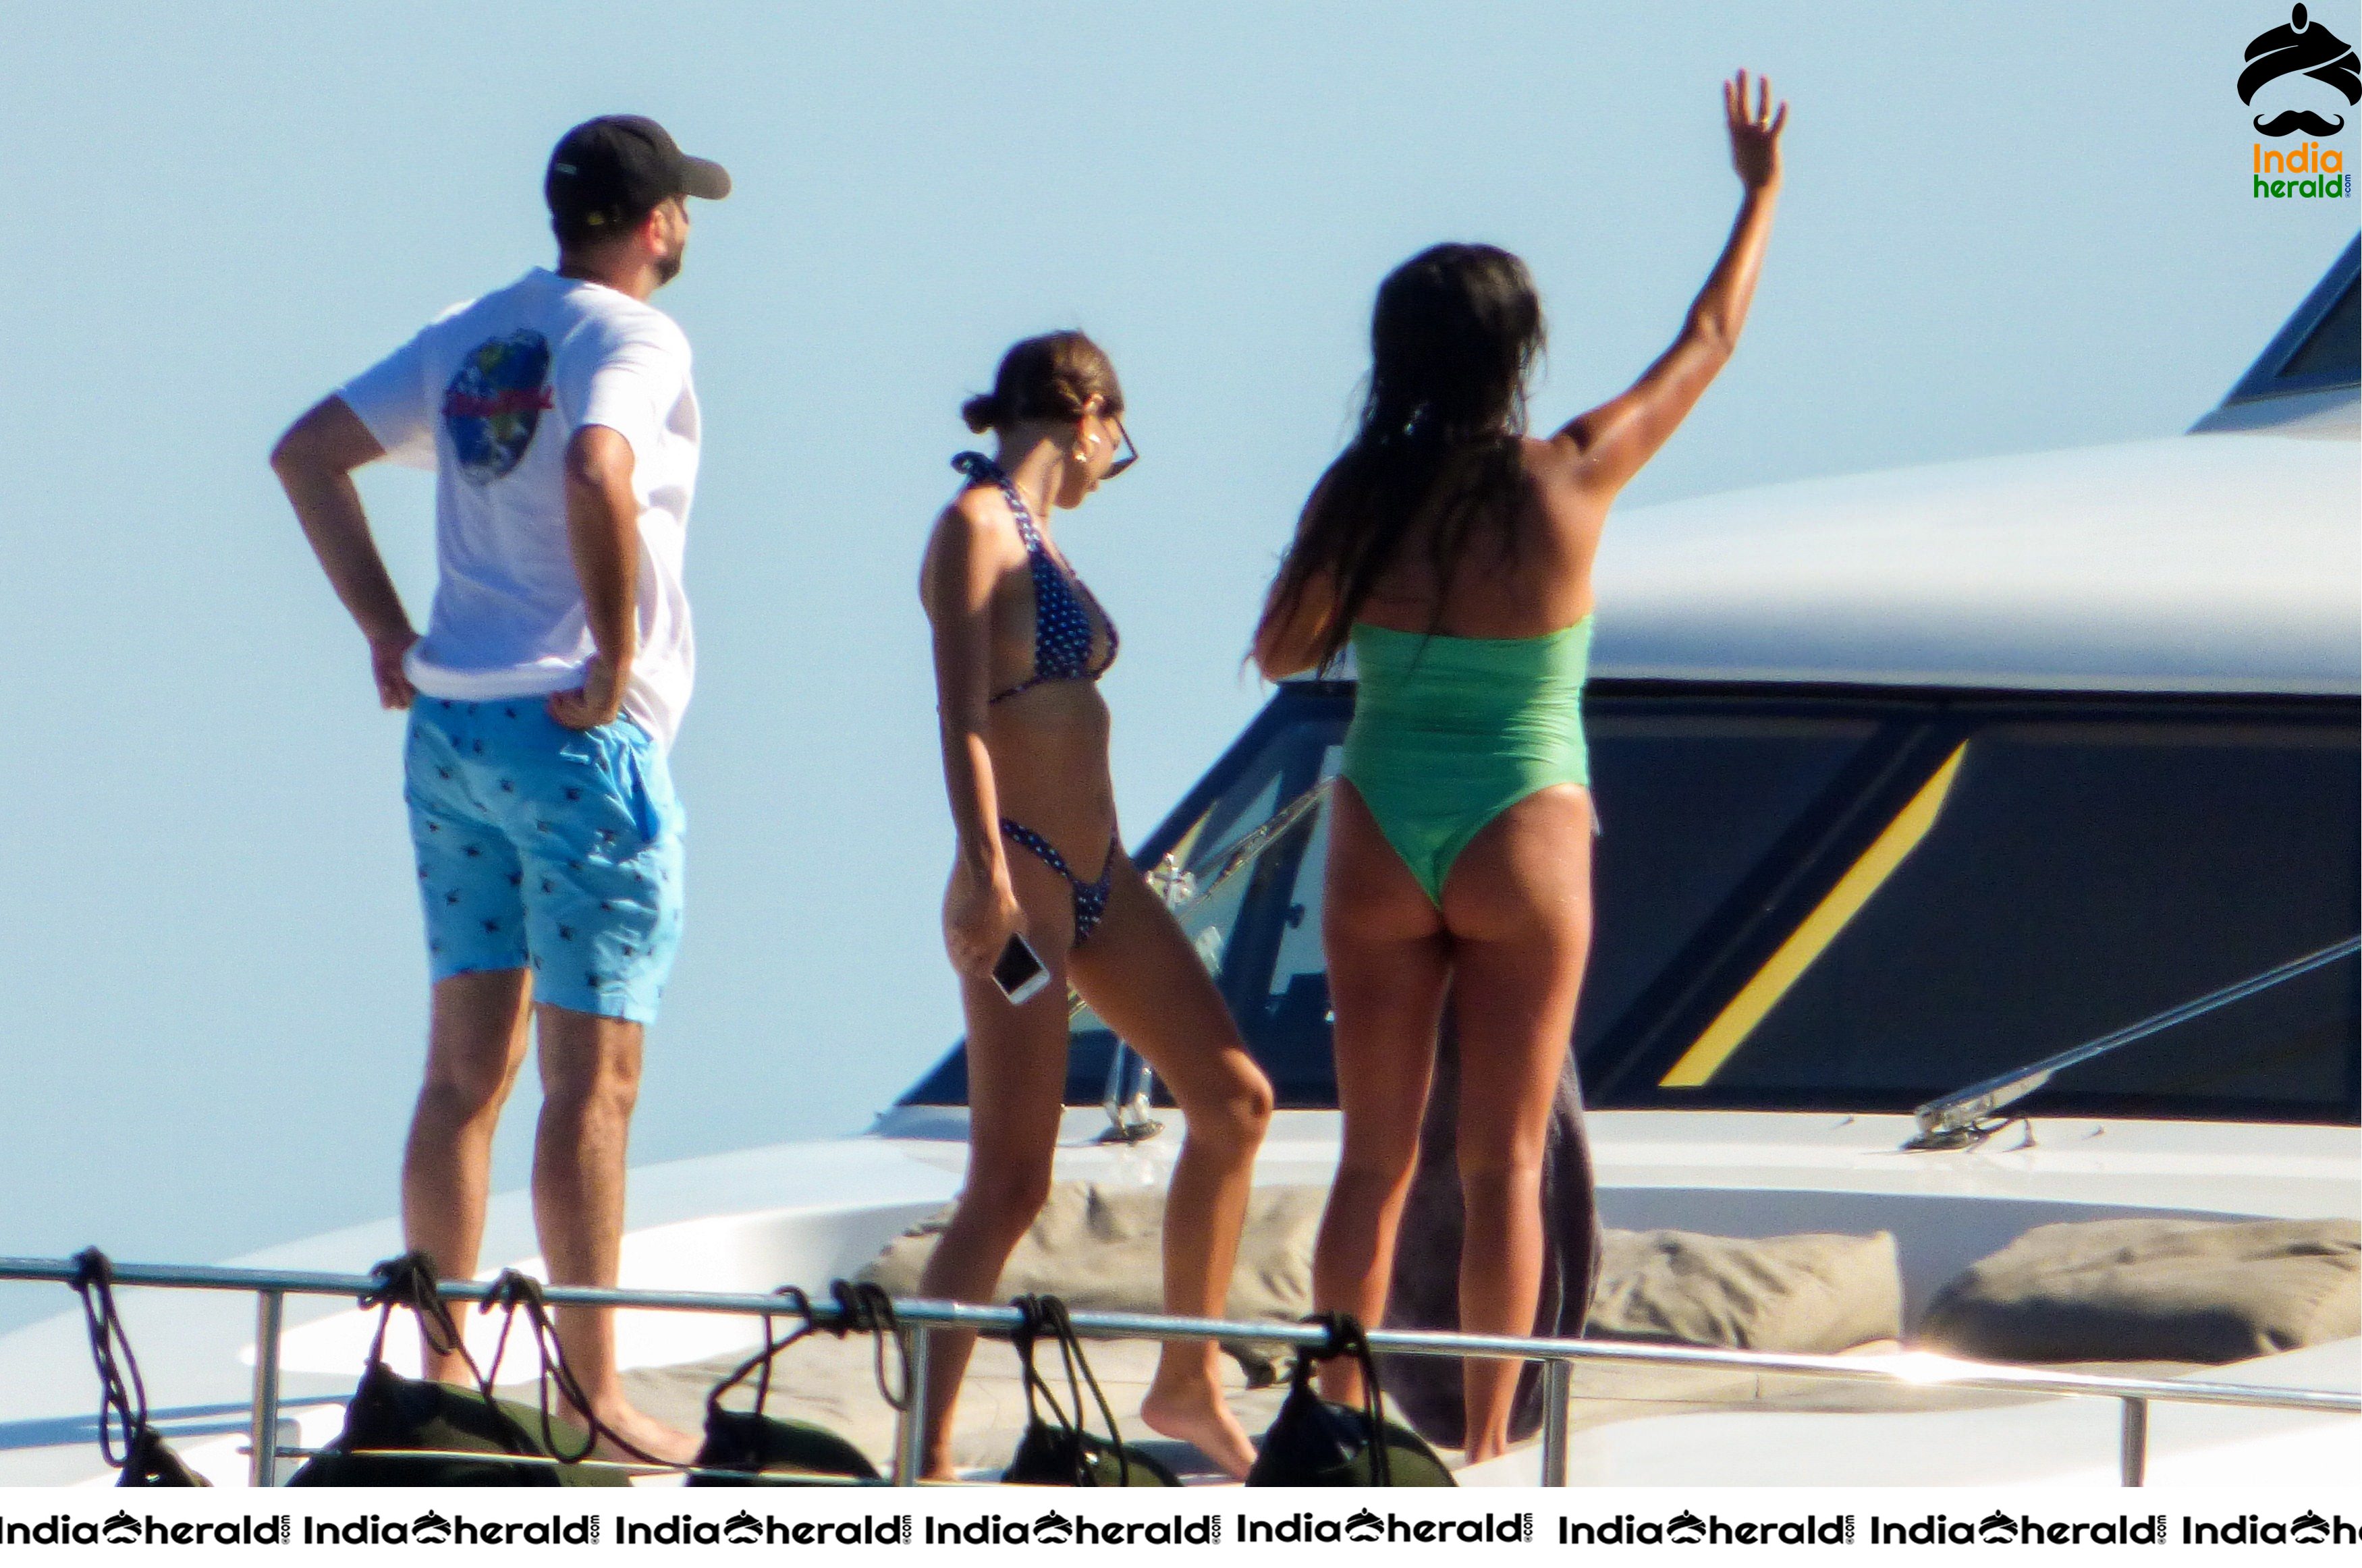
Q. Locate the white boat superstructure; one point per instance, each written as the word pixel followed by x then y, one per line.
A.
pixel 2190 563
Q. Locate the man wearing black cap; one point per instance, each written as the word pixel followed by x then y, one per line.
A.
pixel 558 415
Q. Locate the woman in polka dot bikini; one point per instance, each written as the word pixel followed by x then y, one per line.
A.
pixel 1020 644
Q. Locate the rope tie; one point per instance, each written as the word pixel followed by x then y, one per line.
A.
pixel 863 1307
pixel 759 1364
pixel 1038 1315
pixel 1346 1338
pixel 513 1293
pixel 408 1281
pixel 122 1395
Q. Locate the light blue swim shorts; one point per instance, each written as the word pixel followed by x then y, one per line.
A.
pixel 545 848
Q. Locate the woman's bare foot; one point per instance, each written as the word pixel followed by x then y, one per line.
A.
pixel 644 1432
pixel 1186 1402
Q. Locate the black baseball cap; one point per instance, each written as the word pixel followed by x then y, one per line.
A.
pixel 614 168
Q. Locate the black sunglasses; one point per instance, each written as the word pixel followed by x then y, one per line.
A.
pixel 1126 457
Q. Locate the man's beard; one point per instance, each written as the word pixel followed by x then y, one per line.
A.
pixel 668 267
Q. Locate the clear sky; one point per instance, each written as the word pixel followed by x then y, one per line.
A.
pixel 2006 227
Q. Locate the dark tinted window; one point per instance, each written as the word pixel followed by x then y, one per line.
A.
pixel 2319 347
pixel 1260 931
pixel 1282 1003
pixel 1690 801
pixel 2077 877
pixel 2333 352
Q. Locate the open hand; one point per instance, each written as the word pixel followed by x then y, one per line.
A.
pixel 1754 133
pixel 394 688
pixel 595 702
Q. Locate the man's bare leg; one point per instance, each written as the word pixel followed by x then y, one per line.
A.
pixel 590 1082
pixel 475 1044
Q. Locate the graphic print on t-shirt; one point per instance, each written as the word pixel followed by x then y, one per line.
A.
pixel 495 402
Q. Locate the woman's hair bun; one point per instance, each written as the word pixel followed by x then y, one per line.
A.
pixel 1054 376
pixel 981 411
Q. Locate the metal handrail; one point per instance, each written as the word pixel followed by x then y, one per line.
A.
pixel 1965 1115
pixel 920 1317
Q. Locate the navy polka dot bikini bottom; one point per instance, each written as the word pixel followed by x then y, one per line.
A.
pixel 1090 898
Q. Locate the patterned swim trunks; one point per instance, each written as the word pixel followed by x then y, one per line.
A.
pixel 545 848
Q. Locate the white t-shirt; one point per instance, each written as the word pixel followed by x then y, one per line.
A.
pixel 488 395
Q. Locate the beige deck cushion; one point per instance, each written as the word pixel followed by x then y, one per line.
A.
pixel 1808 1294
pixel 1102 1248
pixel 2209 1291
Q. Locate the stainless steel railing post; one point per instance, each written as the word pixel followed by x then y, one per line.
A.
pixel 2134 1443
pixel 269 1312
pixel 1558 1388
pixel 911 1427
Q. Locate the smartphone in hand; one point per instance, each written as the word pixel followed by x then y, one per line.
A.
pixel 1019 971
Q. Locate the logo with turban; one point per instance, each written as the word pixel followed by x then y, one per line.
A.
pixel 2306 45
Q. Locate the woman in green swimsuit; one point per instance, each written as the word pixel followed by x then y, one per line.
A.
pixel 1454 554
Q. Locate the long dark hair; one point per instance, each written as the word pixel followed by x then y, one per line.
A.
pixel 1456 331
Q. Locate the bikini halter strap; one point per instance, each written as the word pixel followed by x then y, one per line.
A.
pixel 984 470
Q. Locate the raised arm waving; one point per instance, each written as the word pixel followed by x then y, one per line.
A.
pixel 1612 442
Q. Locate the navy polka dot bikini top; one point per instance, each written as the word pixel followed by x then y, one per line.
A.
pixel 1063 607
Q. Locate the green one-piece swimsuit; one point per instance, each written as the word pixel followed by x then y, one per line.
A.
pixel 1447 732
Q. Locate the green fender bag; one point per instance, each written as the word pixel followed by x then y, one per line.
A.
pixel 1057 1451
pixel 1313 1442
pixel 747 1448
pixel 408 1432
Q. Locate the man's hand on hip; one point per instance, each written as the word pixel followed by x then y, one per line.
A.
pixel 314 462
pixel 595 702
pixel 603 527
pixel 394 688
